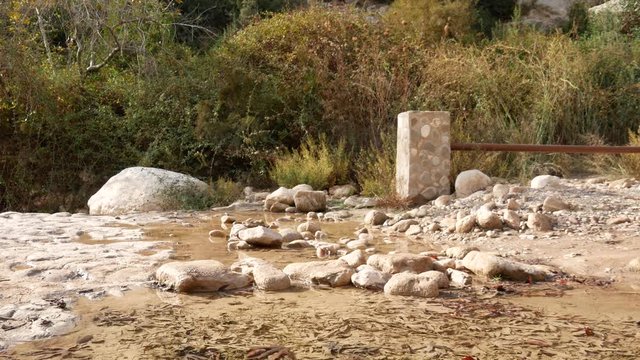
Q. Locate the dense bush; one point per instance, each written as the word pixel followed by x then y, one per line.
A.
pixel 631 16
pixel 242 109
pixel 202 21
pixel 432 21
pixel 309 73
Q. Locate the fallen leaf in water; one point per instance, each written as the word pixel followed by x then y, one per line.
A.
pixel 537 342
pixel 84 339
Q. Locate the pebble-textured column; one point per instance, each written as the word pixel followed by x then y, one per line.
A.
pixel 423 159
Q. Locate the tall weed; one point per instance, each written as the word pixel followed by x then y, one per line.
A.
pixel 376 168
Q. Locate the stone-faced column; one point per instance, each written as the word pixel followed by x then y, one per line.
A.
pixel 423 159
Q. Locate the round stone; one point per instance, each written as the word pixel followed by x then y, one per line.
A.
pixel 429 193
pixel 425 131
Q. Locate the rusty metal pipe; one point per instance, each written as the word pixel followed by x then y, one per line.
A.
pixel 569 149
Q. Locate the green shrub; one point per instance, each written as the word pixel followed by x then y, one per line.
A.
pixel 376 168
pixel 578 21
pixel 299 75
pixel 432 21
pixel 631 16
pixel 315 164
pixel 528 87
pixel 307 73
pixel 225 191
pixel 221 192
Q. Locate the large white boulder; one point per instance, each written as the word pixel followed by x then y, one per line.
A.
pixel 545 14
pixel 200 276
pixel 142 189
pixel 470 181
pixel 613 6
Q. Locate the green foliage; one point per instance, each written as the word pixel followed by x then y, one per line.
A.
pixel 224 192
pixel 578 21
pixel 312 72
pixel 431 21
pixel 275 79
pixel 528 87
pixel 216 16
pixel 491 13
pixel 376 168
pixel 315 164
pixel 631 16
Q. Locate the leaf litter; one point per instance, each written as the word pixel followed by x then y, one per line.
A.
pixel 342 324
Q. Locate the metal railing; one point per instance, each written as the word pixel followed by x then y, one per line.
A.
pixel 573 149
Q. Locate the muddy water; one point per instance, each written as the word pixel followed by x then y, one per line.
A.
pixel 533 322
pixel 618 303
pixel 191 240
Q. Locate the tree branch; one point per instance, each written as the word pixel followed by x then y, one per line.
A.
pixel 93 68
pixel 43 33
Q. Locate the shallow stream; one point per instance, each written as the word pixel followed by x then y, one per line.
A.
pixel 492 321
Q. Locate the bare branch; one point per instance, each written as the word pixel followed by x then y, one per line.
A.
pixel 96 67
pixel 43 33
pixel 202 28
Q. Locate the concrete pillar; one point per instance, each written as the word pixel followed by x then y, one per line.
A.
pixel 423 158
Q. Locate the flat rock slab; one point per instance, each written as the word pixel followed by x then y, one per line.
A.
pixel 200 276
pixel 491 266
pixel 62 256
pixel 396 263
pixel 334 273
